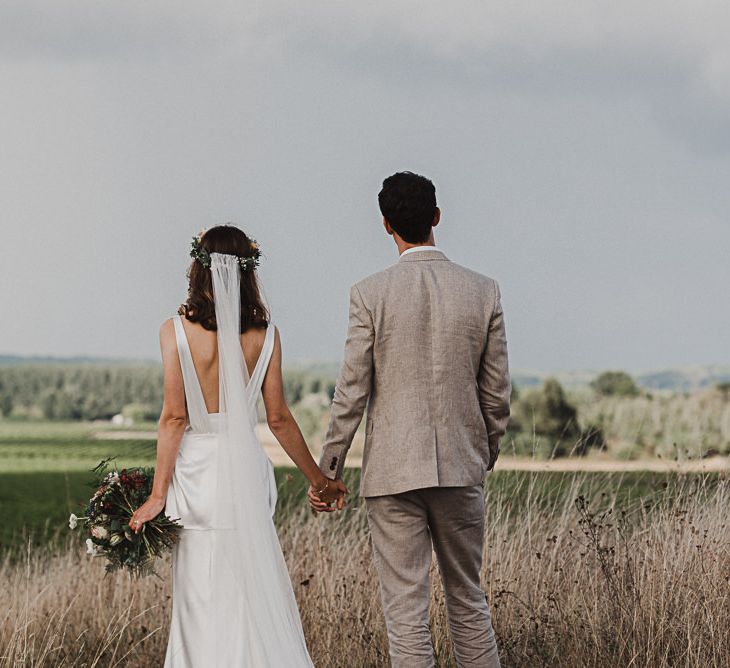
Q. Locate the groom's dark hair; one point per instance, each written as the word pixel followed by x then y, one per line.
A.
pixel 408 202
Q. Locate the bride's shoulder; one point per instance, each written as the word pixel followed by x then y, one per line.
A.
pixel 167 329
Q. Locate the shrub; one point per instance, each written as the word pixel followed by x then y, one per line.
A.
pixel 141 412
pixel 615 383
pixel 547 412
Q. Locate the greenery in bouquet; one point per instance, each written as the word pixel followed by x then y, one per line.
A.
pixel 118 494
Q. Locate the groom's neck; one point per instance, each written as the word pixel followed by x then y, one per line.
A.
pixel 404 245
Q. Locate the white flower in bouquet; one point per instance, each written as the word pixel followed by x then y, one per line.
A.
pixel 92 548
pixel 73 521
pixel 116 539
pixel 99 532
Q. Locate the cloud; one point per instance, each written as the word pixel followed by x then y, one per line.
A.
pixel 673 57
pixel 92 31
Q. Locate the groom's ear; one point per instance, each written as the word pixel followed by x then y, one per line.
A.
pixel 387 226
pixel 436 217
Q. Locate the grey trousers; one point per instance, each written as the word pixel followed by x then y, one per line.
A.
pixel 404 528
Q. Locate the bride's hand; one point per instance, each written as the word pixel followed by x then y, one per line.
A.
pixel 321 499
pixel 146 512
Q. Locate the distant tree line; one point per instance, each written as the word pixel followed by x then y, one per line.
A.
pixel 545 421
pixel 92 392
pixel 70 392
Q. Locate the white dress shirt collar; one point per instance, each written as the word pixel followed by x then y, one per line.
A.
pixel 415 249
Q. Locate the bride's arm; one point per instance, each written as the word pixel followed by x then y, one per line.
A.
pixel 287 432
pixel 170 429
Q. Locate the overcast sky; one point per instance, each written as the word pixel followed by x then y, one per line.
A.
pixel 580 151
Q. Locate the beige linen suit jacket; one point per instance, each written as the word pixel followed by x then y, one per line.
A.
pixel 426 353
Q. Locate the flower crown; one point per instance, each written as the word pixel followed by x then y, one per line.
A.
pixel 249 263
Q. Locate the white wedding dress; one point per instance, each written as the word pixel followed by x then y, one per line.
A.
pixel 233 603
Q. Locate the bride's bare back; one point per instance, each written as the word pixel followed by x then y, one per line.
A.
pixel 204 350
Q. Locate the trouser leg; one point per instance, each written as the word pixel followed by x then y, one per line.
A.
pixel 456 521
pixel 402 554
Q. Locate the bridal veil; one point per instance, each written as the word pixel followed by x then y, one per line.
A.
pixel 248 571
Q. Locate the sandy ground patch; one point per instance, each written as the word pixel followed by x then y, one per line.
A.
pixel 280 458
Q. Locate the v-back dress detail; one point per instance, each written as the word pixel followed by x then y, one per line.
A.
pixel 192 498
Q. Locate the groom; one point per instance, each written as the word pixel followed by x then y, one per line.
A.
pixel 426 353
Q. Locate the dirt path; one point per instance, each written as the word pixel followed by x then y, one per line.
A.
pixel 575 464
pixel 579 464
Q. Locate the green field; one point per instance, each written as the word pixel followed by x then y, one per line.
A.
pixel 45 474
pixel 36 504
pixel 65 446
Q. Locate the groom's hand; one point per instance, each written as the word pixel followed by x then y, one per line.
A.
pixel 334 492
pixel 493 459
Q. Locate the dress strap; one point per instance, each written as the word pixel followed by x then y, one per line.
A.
pixel 197 411
pixel 262 364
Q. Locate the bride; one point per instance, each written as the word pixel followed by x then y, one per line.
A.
pixel 233 603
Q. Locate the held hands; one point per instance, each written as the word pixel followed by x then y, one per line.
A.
pixel 146 512
pixel 332 491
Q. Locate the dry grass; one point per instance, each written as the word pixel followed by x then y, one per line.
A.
pixel 572 583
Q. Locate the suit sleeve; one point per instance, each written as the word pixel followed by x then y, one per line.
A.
pixel 352 389
pixel 494 379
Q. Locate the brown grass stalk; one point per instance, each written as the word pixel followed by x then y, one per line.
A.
pixel 572 582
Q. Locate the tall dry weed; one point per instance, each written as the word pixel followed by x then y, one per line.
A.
pixel 574 580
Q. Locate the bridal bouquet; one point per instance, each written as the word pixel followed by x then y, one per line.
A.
pixel 118 494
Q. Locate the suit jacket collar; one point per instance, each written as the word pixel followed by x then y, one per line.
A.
pixel 422 256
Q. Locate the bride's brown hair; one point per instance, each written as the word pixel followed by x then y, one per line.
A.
pixel 200 306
